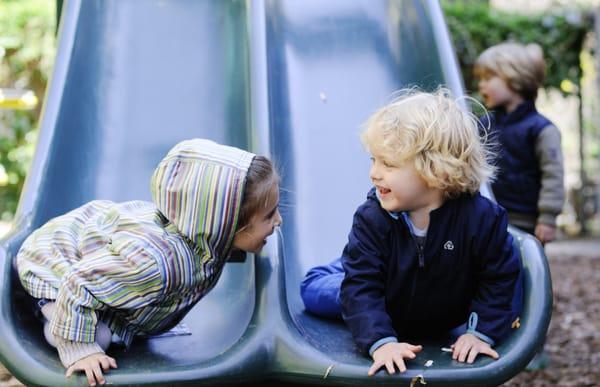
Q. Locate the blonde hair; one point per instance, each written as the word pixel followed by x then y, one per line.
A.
pixel 521 66
pixel 437 134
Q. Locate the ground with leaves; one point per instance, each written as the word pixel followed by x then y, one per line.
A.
pixel 574 337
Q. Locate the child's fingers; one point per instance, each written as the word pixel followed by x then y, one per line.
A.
pixel 89 374
pixel 490 352
pixel 112 361
pixel 400 363
pixel 389 364
pixel 69 372
pixel 462 356
pixel 375 367
pixel 105 362
pixel 407 353
pixel 415 348
pixel 98 373
pixel 472 355
pixel 456 348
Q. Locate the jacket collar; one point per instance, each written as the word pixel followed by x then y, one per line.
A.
pixel 525 108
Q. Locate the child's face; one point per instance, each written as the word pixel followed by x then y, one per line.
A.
pixel 254 235
pixel 399 186
pixel 495 91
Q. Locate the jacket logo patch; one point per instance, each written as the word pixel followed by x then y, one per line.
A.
pixel 449 245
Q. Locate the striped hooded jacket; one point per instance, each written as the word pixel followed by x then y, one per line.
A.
pixel 140 266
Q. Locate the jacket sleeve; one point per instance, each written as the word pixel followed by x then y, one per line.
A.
pixel 552 192
pixel 498 269
pixel 103 280
pixel 363 288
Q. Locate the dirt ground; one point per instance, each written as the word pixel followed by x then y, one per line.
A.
pixel 573 343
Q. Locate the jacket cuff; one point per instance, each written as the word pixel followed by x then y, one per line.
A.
pixel 472 329
pixel 72 351
pixel 482 337
pixel 380 342
pixel 547 218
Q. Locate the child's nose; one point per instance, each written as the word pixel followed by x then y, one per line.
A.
pixel 374 173
pixel 278 219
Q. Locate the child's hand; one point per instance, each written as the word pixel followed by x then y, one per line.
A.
pixel 391 353
pixel 545 233
pixel 471 345
pixel 92 366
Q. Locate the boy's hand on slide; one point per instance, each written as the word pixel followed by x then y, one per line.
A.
pixel 93 366
pixel 393 353
pixel 468 346
pixel 545 233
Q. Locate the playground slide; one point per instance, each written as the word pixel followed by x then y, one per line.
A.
pixel 294 80
pixel 131 80
pixel 329 68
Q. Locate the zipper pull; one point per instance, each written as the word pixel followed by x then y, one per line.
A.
pixel 421 258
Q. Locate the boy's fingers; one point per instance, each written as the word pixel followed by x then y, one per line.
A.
pixel 375 367
pixel 389 364
pixel 489 351
pixel 463 353
pixel 472 355
pixel 408 354
pixel 415 348
pixel 113 362
pixel 400 363
pixel 456 351
pixel 69 372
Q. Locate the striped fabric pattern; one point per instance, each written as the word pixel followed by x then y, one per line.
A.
pixel 140 266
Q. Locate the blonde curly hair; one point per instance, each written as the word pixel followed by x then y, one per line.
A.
pixel 437 134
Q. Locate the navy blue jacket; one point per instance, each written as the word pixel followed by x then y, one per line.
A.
pixel 468 264
pixel 518 182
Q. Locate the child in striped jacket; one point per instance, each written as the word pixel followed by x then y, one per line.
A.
pixel 133 268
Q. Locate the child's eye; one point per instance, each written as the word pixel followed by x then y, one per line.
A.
pixel 387 164
pixel 271 214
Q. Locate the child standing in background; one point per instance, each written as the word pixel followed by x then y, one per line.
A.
pixel 530 164
pixel 529 183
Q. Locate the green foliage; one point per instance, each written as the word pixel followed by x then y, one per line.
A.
pixel 27 47
pixel 474 26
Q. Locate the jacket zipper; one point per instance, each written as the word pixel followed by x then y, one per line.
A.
pixel 420 253
pixel 421 259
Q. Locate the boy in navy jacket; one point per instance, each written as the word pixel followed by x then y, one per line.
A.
pixel 427 256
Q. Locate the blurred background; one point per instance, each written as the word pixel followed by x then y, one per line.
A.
pixel 565 30
pixel 569 33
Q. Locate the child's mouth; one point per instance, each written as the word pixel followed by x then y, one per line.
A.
pixel 383 191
